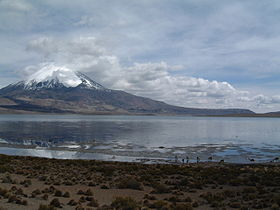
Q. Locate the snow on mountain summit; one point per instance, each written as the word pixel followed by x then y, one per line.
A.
pixel 51 72
pixel 53 76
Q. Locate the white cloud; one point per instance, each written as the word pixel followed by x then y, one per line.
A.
pixel 233 41
pixel 154 80
pixel 16 5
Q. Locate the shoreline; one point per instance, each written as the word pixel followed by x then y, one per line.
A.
pixel 23 112
pixel 80 153
pixel 28 182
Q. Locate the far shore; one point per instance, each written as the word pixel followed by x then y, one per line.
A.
pixel 22 112
pixel 41 183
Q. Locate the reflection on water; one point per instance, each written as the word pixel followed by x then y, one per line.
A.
pixel 128 137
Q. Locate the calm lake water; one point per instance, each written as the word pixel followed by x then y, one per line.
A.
pixel 140 138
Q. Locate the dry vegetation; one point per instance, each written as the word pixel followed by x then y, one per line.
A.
pixel 46 184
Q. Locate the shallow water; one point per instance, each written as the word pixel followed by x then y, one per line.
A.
pixel 140 138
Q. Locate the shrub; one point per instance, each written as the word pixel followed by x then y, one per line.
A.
pixel 79 208
pixel 195 204
pixel 159 205
pixel 42 178
pixel 72 203
pixel 105 207
pixel 104 187
pixel 88 192
pixel 160 188
pixel 13 199
pixel 4 169
pixel 275 206
pixel 91 184
pixel 36 192
pixel 185 206
pixel 236 205
pixel 188 199
pixel 80 192
pixel 46 207
pixel 56 203
pixel 93 203
pixel 24 202
pixel 150 197
pixel 173 199
pixel 7 179
pixel 130 183
pixel 250 190
pixel 124 203
pixel 82 199
pixel 58 193
pixel 3 191
pixel 66 195
pixel 107 171
pixel 276 199
pixel 26 182
pixel 45 197
pixel 89 198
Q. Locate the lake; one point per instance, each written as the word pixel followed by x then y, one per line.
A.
pixel 141 138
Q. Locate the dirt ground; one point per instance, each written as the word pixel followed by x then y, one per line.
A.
pixel 40 183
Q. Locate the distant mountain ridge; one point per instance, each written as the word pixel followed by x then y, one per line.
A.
pixel 61 90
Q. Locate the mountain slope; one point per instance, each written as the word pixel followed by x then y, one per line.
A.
pixel 60 90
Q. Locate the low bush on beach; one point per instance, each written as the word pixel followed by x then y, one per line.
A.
pixel 276 199
pixel 104 187
pixel 55 203
pixel 107 171
pixel 275 206
pixel 72 203
pixel 173 199
pixel 160 188
pixel 3 191
pixel 36 192
pixel 66 195
pixel 26 183
pixel 45 197
pixel 160 204
pixel 181 206
pixel 150 197
pixel 82 199
pixel 106 207
pixel 214 199
pixel 89 192
pixel 248 190
pixel 80 192
pixel 5 168
pixel 130 183
pixel 16 200
pixel 7 179
pixel 93 203
pixel 5 159
pixel 125 203
pixel 46 207
pixel 58 193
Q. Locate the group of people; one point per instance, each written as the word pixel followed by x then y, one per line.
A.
pixel 187 159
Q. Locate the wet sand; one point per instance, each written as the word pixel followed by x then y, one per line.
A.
pixel 28 182
pixel 134 153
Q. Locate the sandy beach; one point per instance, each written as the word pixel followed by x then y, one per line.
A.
pixel 41 183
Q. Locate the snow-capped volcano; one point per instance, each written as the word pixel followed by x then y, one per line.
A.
pixel 52 76
pixel 57 89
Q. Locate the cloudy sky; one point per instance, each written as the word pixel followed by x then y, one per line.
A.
pixel 194 53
